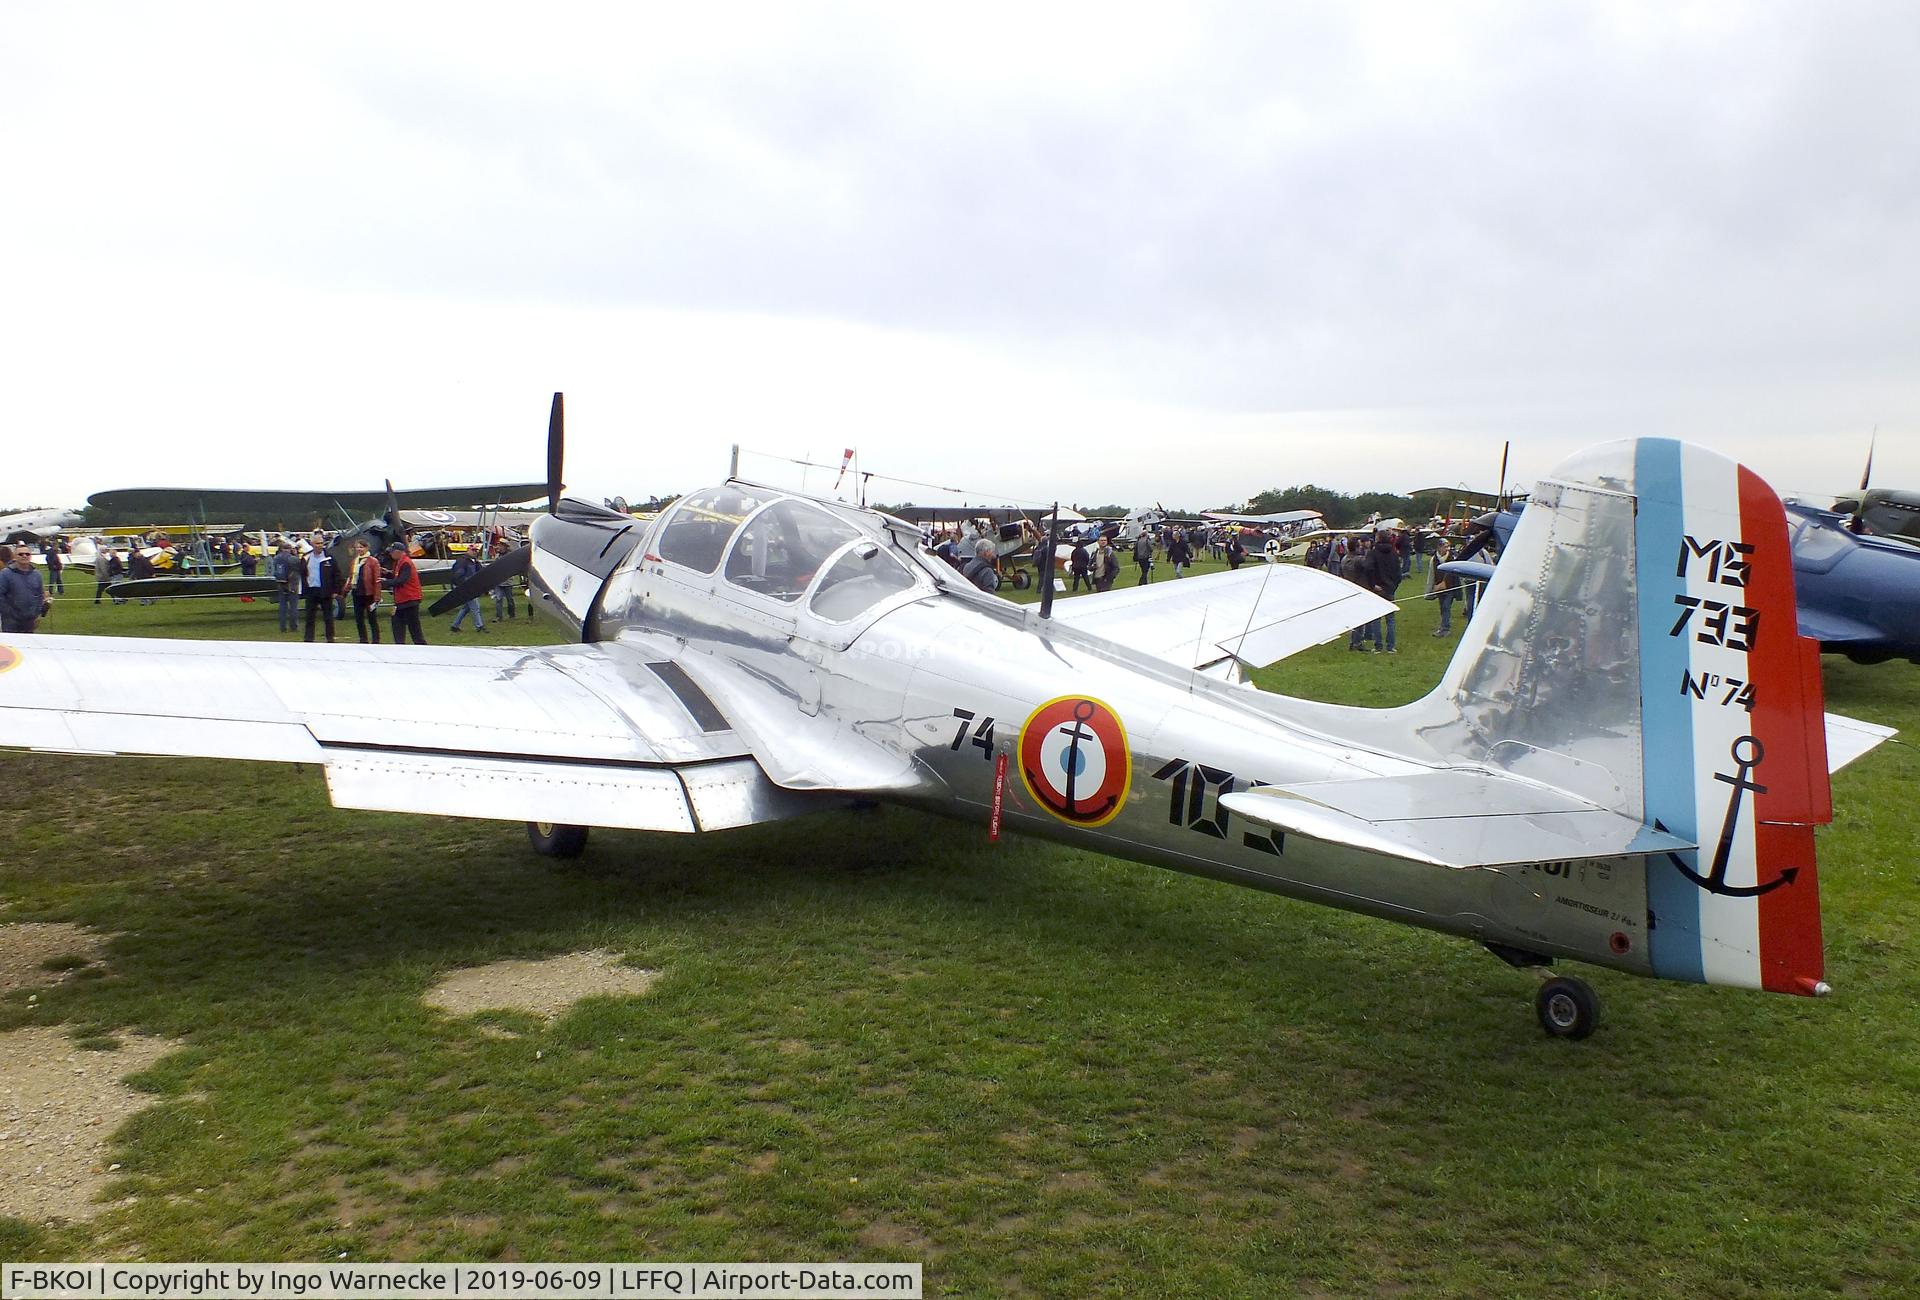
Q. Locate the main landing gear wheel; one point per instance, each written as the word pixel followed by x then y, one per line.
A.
pixel 1022 579
pixel 1568 1007
pixel 557 839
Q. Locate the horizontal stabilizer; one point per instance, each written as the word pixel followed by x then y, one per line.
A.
pixel 1849 738
pixel 1257 616
pixel 1451 818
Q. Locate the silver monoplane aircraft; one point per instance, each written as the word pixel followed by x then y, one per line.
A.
pixel 1623 763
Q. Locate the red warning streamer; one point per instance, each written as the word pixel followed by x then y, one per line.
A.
pixel 999 797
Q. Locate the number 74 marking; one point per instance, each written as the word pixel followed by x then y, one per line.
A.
pixel 982 733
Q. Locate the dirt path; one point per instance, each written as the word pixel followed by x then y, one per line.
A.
pixel 543 988
pixel 26 947
pixel 59 1103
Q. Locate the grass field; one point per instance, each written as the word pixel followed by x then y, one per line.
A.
pixel 878 1036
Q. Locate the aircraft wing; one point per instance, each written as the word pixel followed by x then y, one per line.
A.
pixel 589 735
pixel 1283 517
pixel 295 507
pixel 1258 616
pixel 470 518
pixel 1849 738
pixel 1452 818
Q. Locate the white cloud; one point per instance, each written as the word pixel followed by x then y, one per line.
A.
pixel 1183 253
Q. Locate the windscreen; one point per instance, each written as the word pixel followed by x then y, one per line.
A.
pixel 697 534
pixel 783 546
pixel 858 580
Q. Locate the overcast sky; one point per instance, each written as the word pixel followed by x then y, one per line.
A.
pixel 1175 254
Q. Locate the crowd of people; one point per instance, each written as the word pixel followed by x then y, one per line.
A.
pixel 1380 561
pixel 308 579
pixel 306 576
pixel 1096 562
pixel 310 582
pixel 1381 564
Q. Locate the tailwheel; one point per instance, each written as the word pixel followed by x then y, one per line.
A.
pixel 1568 1007
pixel 557 839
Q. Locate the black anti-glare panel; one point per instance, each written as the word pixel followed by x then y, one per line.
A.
pixel 689 694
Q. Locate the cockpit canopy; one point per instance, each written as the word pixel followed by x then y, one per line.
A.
pixel 780 550
pixel 778 547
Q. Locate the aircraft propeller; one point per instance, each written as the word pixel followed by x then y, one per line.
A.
pixel 395 530
pixel 519 560
pixel 492 574
pixel 556 451
pixel 1858 523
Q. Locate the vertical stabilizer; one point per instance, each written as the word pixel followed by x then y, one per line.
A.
pixel 1639 646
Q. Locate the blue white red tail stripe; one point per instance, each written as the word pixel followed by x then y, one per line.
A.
pixel 1731 724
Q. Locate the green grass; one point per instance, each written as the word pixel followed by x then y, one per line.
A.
pixel 1038 1071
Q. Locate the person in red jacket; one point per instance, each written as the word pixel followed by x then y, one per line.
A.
pixel 364 586
pixel 406 596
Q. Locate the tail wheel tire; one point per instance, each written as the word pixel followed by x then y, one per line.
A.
pixel 557 839
pixel 1568 1007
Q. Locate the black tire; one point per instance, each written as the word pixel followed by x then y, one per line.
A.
pixel 1022 579
pixel 557 839
pixel 1567 1007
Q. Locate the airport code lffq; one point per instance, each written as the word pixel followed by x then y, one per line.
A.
pixel 674 1281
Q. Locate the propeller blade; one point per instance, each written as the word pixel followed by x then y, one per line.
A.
pixel 394 530
pixel 1505 447
pixel 556 450
pixel 1857 521
pixel 491 575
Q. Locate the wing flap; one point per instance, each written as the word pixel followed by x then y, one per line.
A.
pixel 1257 616
pixel 581 794
pixel 1451 818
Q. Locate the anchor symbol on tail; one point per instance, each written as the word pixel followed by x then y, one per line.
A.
pixel 1715 881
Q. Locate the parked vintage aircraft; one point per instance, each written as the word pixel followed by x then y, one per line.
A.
pixel 1885 512
pixel 298 508
pixel 1289 521
pixel 1857 594
pixel 391 526
pixel 37 525
pixel 1879 511
pixel 1623 764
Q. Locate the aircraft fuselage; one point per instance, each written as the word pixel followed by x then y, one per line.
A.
pixel 964 696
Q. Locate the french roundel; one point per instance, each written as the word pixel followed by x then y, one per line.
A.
pixel 1074 760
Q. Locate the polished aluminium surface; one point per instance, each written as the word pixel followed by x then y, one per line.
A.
pixel 527 734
